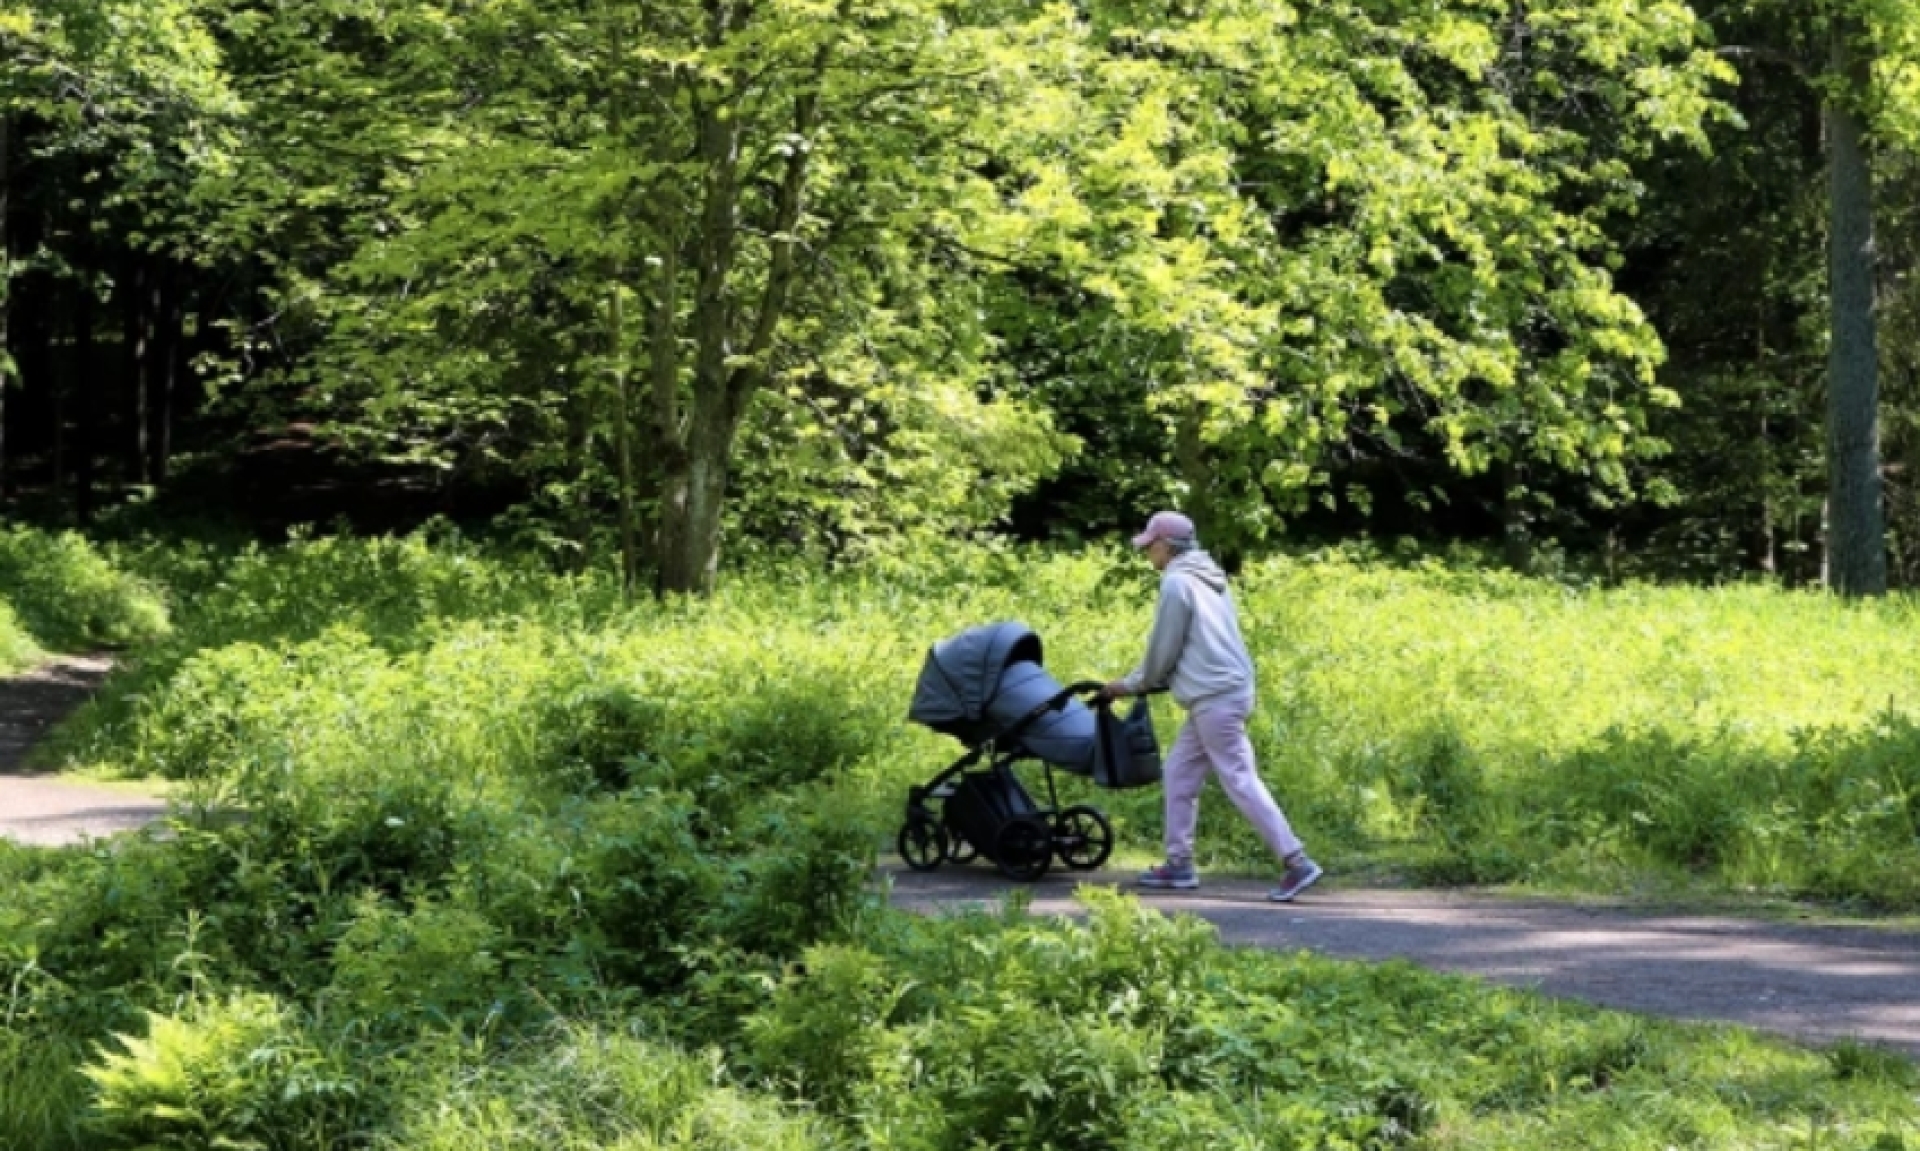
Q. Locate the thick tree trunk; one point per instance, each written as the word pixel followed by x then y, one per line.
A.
pixel 725 377
pixel 693 499
pixel 694 485
pixel 1856 541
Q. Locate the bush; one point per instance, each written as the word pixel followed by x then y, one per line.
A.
pixel 69 596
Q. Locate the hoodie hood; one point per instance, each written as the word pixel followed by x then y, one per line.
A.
pixel 1200 566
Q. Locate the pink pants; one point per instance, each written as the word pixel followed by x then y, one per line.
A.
pixel 1214 739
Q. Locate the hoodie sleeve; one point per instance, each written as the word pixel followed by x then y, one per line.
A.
pixel 1171 617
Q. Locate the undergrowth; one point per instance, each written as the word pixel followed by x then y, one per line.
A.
pixel 1465 726
pixel 475 856
pixel 65 594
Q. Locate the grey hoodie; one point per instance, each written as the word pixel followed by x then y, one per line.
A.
pixel 1195 646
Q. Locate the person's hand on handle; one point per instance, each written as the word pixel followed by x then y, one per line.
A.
pixel 1117 689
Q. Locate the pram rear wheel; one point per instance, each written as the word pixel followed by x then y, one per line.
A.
pixel 922 843
pixel 1024 848
pixel 1082 837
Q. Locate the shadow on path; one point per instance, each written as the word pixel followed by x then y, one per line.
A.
pixel 1812 983
pixel 38 810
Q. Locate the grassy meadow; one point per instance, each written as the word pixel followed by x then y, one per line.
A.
pixel 523 866
pixel 1460 725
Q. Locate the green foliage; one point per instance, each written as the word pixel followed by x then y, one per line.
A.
pixel 43 1096
pixel 504 854
pixel 68 595
pixel 17 649
pixel 1477 726
pixel 582 1087
pixel 238 1072
pixel 1133 1030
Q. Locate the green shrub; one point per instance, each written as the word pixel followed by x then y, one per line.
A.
pixel 433 964
pixel 69 596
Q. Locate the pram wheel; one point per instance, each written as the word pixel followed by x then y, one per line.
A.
pixel 1024 848
pixel 922 843
pixel 1082 837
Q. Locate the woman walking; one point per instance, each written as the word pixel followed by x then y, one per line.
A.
pixel 1196 651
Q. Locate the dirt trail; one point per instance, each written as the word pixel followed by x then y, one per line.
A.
pixel 1813 983
pixel 33 808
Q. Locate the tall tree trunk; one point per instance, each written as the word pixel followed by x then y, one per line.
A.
pixel 1768 546
pixel 694 486
pixel 1856 541
pixel 7 372
pixel 56 383
pixel 668 458
pixel 35 317
pixel 163 374
pixel 617 357
pixel 623 431
pixel 134 329
pixel 1516 520
pixel 83 378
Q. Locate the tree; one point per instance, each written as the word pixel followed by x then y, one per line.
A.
pixel 1372 234
pixel 729 212
pixel 1856 533
pixel 110 111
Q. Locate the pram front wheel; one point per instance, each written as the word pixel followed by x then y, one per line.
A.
pixel 922 843
pixel 1082 837
pixel 1024 848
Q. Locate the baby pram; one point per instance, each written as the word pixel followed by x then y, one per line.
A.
pixel 988 688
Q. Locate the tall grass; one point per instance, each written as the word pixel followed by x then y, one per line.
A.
pixel 17 649
pixel 1470 726
pixel 66 594
pixel 521 866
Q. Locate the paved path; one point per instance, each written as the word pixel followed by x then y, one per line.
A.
pixel 42 811
pixel 1812 983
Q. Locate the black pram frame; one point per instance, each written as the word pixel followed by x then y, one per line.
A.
pixel 962 813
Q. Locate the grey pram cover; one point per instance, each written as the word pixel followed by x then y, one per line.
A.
pixel 1063 738
pixel 979 682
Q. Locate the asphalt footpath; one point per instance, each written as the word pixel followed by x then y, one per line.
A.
pixel 1814 983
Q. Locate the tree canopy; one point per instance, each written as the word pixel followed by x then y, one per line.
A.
pixel 797 273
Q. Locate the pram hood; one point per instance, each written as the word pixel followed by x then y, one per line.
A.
pixel 962 675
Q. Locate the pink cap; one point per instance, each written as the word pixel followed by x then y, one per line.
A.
pixel 1165 526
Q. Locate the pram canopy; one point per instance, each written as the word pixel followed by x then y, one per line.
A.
pixel 982 681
